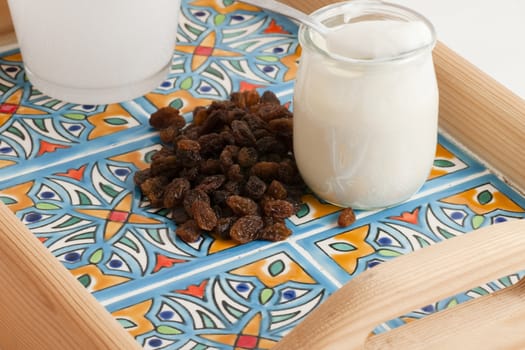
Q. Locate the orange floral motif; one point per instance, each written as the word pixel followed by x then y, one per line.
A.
pixel 136 315
pixel 484 199
pixel 247 339
pixel 98 280
pixel 275 270
pixel 222 8
pixel 102 127
pixel 187 100
pixel 203 50
pixel 354 239
pixel 195 290
pixel 18 196
pixel 13 104
pixel 115 219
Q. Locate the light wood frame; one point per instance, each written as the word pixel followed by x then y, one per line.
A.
pixel 38 294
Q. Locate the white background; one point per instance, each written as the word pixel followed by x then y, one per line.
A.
pixel 488 33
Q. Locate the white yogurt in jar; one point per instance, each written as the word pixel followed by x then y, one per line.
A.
pixel 365 126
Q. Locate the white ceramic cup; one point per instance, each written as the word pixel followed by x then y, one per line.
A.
pixel 95 51
pixel 365 128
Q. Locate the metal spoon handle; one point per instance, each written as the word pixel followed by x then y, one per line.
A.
pixel 288 11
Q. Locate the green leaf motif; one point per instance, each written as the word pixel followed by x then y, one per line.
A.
pixel 110 191
pixel 422 242
pixel 177 103
pixel 237 66
pixel 167 330
pixel 219 19
pixel 303 211
pixel 453 302
pixel 40 124
pixel 126 241
pixel 192 29
pixel 82 236
pixel 285 317
pixel 266 295
pixel 85 280
pixel 186 83
pixel 148 157
pixel 276 268
pixel 227 2
pixel 47 206
pixel 207 321
pixel 96 257
pixel 125 323
pixel 388 253
pixel 445 233
pixel 485 197
pixel 116 121
pixel 246 45
pixel 267 58
pixel 443 163
pixel 75 116
pixel 15 131
pixel 215 73
pixel 477 221
pixel 342 247
pixel 7 200
pixel 155 235
pixel 84 199
pixel 70 222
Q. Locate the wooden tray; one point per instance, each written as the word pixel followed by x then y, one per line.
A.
pixel 473 108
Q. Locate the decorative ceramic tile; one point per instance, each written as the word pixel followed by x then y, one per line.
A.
pixel 66 171
pixel 381 236
pixel 247 304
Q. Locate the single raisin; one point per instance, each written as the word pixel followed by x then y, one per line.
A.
pixel 223 227
pixel 246 228
pixel 242 205
pixel 269 97
pixel 211 145
pixel 235 173
pixel 247 157
pixel 346 217
pixel 266 171
pixel 192 196
pixel 188 152
pixel 269 144
pixel 175 192
pixel 189 231
pixel 242 133
pixel 168 135
pixel 140 176
pixel 200 113
pixel 166 116
pixel 282 126
pixel 255 187
pixel 211 183
pixel 277 231
pixel 210 166
pixel 276 190
pixel 179 215
pixel 213 121
pixel 278 209
pixel 164 166
pixel 204 215
pixel 153 189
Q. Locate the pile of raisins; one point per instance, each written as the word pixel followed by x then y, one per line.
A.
pixel 230 172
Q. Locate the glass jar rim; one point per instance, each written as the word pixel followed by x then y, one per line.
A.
pixel 368 7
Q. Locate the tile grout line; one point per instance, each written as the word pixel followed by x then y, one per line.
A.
pixel 318 266
pixel 122 296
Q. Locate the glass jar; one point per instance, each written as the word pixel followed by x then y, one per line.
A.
pixel 366 104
